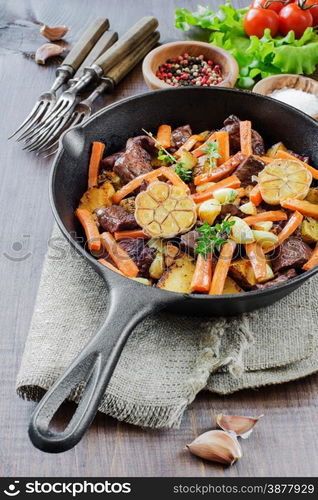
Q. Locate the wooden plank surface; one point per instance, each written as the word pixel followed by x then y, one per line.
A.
pixel 284 443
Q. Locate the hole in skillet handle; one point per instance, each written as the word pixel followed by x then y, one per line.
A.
pixel 128 303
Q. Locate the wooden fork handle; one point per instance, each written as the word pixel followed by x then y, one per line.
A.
pixel 86 42
pixel 120 50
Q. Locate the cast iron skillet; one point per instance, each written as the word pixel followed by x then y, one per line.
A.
pixel 128 301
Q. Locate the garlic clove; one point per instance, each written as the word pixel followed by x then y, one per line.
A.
pixel 53 33
pixel 47 50
pixel 217 446
pixel 241 426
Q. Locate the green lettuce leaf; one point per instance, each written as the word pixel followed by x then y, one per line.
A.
pixel 257 58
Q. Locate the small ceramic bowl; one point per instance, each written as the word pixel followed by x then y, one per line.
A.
pixel 277 82
pixel 160 55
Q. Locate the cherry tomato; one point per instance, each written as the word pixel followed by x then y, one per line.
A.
pixel 293 17
pixel 276 6
pixel 313 10
pixel 257 20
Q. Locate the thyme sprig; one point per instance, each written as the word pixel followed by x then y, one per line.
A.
pixel 213 237
pixel 212 152
pixel 167 158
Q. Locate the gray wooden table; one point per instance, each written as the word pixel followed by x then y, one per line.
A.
pixel 284 443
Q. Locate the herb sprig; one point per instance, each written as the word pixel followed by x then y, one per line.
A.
pixel 212 152
pixel 213 237
pixel 167 158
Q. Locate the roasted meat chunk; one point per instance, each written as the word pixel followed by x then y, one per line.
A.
pixel 279 280
pixel 140 253
pixel 249 167
pixel 230 209
pixel 135 160
pixel 115 218
pixel 232 126
pixel 179 136
pixel 188 241
pixel 293 252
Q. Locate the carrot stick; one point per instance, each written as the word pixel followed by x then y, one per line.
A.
pixel 313 261
pixel 258 260
pixel 110 266
pixel 220 172
pixel 188 144
pixel 94 162
pixel 229 182
pixel 287 156
pixel 255 196
pixel 134 184
pixel 199 151
pixel 121 258
pixel 201 280
pixel 164 136
pixel 136 233
pixel 246 137
pixel 173 177
pixel 271 215
pixel 287 230
pixel 91 230
pixel 222 268
pixel 303 206
pixel 223 141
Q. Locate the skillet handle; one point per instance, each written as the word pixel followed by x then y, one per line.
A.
pixel 94 365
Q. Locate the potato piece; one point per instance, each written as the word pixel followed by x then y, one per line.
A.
pixel 97 197
pixel 312 195
pixel 241 270
pixel 178 277
pixel 144 281
pixel 111 177
pixel 230 286
pixel 279 146
pixel 309 230
pixel 157 266
pixel 188 160
pixel 248 208
pixel 128 204
pixel 209 210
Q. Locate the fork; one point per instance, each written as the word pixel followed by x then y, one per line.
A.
pixel 67 100
pixel 83 109
pixel 71 63
pixel 104 43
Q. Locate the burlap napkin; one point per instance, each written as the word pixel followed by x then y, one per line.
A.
pixel 168 359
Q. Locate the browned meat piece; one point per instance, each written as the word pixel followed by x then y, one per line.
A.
pixel 109 162
pixel 249 167
pixel 140 253
pixel 179 136
pixel 279 280
pixel 293 252
pixel 146 142
pixel 188 241
pixel 300 157
pixel 232 126
pixel 115 218
pixel 133 162
pixel 230 209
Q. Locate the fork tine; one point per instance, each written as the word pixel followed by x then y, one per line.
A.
pixel 68 124
pixel 31 146
pixel 37 118
pixel 50 135
pixel 28 118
